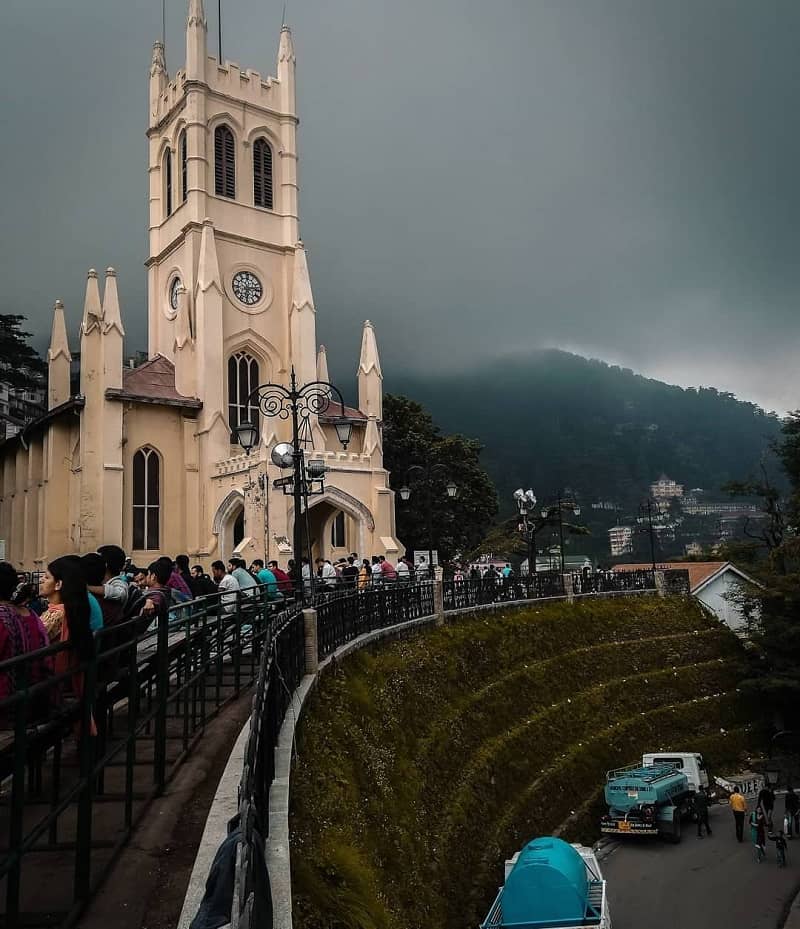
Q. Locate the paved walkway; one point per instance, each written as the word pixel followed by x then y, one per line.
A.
pixel 708 883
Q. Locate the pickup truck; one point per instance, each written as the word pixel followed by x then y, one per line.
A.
pixel 549 884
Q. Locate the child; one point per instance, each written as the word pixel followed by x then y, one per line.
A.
pixel 758 833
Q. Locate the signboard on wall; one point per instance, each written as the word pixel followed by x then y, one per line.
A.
pixel 421 558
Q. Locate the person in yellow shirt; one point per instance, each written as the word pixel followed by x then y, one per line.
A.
pixel 739 807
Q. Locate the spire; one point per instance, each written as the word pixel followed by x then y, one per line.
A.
pixel 183 330
pixel 208 266
pixel 59 344
pixel 369 351
pixel 370 382
pixel 286 70
pixel 301 281
pixel 111 314
pixel 92 309
pixel 196 41
pixel 158 79
pixel 322 364
pixel 158 63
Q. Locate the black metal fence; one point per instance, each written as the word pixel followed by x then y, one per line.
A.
pixel 78 774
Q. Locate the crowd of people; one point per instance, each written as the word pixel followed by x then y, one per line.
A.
pixel 79 595
pixel 761 821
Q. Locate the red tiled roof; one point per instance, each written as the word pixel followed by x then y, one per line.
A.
pixel 153 382
pixel 334 412
pixel 699 571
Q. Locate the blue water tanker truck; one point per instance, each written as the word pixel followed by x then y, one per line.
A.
pixel 548 884
pixel 647 800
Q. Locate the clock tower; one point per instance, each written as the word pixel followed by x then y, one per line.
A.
pixel 226 270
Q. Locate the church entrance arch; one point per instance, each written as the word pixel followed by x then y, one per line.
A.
pixel 229 523
pixel 332 536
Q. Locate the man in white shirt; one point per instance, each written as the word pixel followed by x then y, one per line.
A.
pixel 403 574
pixel 227 585
pixel 327 573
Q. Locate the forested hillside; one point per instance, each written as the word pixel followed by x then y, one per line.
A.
pixel 554 419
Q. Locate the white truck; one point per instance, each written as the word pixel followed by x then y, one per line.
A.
pixel 550 883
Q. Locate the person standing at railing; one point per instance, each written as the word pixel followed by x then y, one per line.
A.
pixel 247 583
pixel 388 572
pixel 377 574
pixel 67 619
pixel 403 574
pixel 158 596
pixel 364 575
pixel 350 574
pixel 21 632
pixel 283 579
pixel 227 585
pixel 266 577
pixel 94 570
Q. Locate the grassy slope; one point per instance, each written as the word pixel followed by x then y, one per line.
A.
pixel 424 764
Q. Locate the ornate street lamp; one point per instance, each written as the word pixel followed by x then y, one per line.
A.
pixel 426 473
pixel 526 502
pixel 298 404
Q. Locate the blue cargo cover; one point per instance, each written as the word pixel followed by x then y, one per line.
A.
pixel 547 886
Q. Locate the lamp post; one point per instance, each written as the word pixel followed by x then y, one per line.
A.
pixel 297 404
pixel 558 508
pixel 428 471
pixel 646 512
pixel 526 501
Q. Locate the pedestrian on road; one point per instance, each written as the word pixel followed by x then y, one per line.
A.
pixel 701 809
pixel 766 800
pixel 792 810
pixel 758 833
pixel 739 807
pixel 780 849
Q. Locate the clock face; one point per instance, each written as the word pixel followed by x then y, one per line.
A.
pixel 173 293
pixel 247 288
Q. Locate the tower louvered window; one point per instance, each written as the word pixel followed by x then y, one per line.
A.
pixel 168 182
pixel 242 381
pixel 184 168
pixel 224 163
pixel 262 173
pixel 146 499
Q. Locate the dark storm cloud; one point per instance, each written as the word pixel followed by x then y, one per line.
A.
pixel 613 176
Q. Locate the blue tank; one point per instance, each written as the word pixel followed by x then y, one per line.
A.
pixel 548 883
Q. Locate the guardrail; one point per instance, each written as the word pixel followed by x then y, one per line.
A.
pixel 78 775
pixel 340 620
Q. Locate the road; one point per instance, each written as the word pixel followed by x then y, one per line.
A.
pixel 708 883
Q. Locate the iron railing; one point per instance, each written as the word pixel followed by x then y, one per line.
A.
pixel 71 798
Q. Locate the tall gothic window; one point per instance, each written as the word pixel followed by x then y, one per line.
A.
pixel 146 499
pixel 242 381
pixel 262 173
pixel 168 182
pixel 224 163
pixel 184 167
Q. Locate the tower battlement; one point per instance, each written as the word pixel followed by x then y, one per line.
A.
pixel 247 85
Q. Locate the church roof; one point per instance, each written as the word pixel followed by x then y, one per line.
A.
pixel 334 410
pixel 153 382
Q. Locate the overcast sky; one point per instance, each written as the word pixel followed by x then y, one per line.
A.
pixel 614 177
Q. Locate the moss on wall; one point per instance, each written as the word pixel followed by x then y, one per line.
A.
pixel 423 764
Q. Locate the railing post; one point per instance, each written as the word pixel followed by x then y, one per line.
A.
pixel 661 584
pixel 438 599
pixel 310 641
pixel 162 692
pixel 569 588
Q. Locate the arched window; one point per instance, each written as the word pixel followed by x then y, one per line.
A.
pixel 224 163
pixel 168 182
pixel 337 531
pixel 146 499
pixel 184 167
pixel 262 173
pixel 242 381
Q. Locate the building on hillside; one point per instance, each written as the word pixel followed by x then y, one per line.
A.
pixel 620 539
pixel 19 407
pixel 666 489
pixel 552 562
pixel 693 549
pixel 716 584
pixel 146 457
pixel 693 507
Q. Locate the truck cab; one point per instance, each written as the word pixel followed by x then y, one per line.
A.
pixel 689 763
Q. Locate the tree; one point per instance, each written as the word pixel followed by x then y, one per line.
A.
pixel 20 365
pixel 412 438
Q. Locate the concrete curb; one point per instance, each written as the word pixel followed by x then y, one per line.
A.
pixel 223 808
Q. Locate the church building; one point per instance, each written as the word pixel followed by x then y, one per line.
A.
pixel 146 457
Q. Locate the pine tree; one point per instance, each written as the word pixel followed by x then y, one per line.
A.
pixel 20 365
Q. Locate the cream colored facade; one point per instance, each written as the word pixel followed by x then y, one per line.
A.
pixel 230 306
